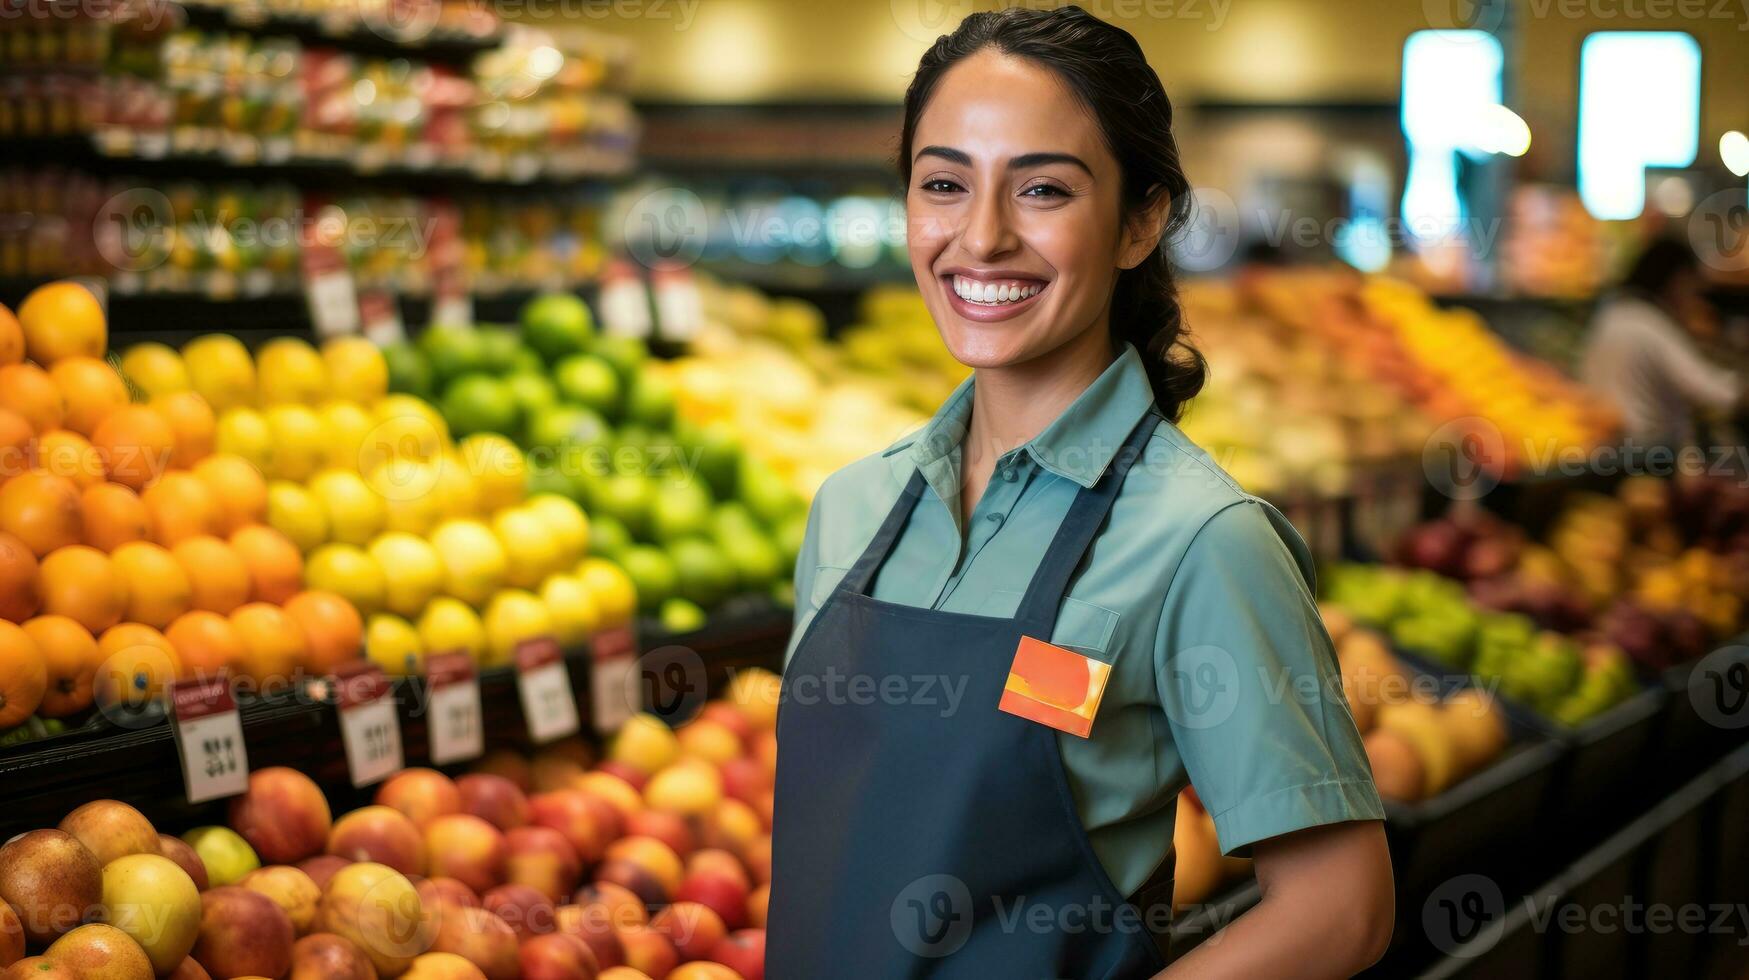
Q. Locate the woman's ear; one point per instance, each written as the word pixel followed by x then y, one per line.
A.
pixel 1143 228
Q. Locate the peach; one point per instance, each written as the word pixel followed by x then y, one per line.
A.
pixel 606 814
pixel 100 952
pixel 551 771
pixel 291 890
pixel 627 773
pixel 446 891
pixel 703 970
pixel 155 902
pixel 243 933
pixel 715 859
pixel 190 969
pixel 509 764
pixel 573 815
pixel 649 951
pixel 633 878
pixel 757 857
pixel 325 956
pixel 442 966
pixel 623 973
pixel 322 867
pixel 283 815
pixel 594 930
pixel 481 938
pixel 692 927
pixel 37 968
pixel 731 825
pixel 52 881
pixel 725 715
pixel 556 956
pixel 524 909
pixel 687 787
pixel 626 796
pixel 612 906
pixel 742 951
pixel 178 850
pixel 709 740
pixel 494 799
pixel 765 750
pixel 542 858
pixel 466 848
pixel 669 828
pixel 757 903
pixel 725 896
pixel 382 834
pixel 653 856
pixel 378 909
pixel 421 794
pixel 745 780
pixel 110 829
pixel 11 936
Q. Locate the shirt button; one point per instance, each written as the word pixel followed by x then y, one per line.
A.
pixel 1009 474
pixel 995 519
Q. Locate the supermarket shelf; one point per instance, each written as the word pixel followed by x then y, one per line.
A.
pixel 438 46
pixel 339 175
pixel 43 780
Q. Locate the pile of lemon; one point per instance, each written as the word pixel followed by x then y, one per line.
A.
pixel 434 541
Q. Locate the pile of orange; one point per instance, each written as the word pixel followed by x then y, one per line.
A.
pixel 131 554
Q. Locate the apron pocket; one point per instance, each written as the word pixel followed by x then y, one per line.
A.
pixel 1084 627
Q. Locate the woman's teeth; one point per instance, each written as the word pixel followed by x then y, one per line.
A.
pixel 992 294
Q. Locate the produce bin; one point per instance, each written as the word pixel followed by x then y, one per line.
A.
pixel 1688 737
pixel 1513 949
pixel 1620 740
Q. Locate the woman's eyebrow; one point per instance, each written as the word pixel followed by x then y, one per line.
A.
pixel 1024 160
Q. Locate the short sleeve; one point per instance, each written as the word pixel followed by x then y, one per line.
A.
pixel 807 560
pixel 1250 687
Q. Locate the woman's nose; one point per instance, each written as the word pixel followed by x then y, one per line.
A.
pixel 989 227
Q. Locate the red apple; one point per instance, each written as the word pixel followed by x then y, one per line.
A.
pixel 669 828
pixel 422 795
pixel 649 951
pixel 543 859
pixel 466 848
pixel 177 850
pixel 556 956
pixel 571 813
pixel 382 834
pixel 724 895
pixel 243 934
pixel 325 956
pixel 594 929
pixel 283 815
pixel 745 780
pixel 446 891
pixel 322 867
pixel 692 927
pixel 481 938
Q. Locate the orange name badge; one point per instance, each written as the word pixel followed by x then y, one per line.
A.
pixel 1054 686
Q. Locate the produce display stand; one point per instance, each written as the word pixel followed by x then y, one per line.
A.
pixel 41 781
pixel 1689 850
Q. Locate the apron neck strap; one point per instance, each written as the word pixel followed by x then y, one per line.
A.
pixel 1037 614
pixel 1038 610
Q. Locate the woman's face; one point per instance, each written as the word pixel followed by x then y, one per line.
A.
pixel 1014 228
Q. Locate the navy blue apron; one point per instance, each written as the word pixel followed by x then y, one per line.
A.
pixel 912 838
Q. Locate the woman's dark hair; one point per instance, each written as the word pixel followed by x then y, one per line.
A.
pixel 1105 68
pixel 1662 263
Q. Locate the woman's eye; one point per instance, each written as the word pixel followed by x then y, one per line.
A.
pixel 1042 190
pixel 940 186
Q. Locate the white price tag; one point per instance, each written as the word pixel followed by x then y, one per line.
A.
pixel 623 304
pixel 368 724
pixel 613 658
pixel 452 713
pixel 209 739
pixel 544 685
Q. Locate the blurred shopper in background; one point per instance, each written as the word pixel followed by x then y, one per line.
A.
pixel 1641 351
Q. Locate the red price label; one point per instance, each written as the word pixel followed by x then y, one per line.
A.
pixel 369 726
pixel 613 658
pixel 452 712
pixel 209 738
pixel 544 686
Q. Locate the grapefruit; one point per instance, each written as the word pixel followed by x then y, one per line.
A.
pixel 62 320
pixel 614 593
pixel 355 512
pixel 244 432
pixel 42 510
pixel 90 389
pixel 531 552
pixel 356 369
pixel 513 617
pixel 19 587
pixel 113 515
pixel 565 521
pixel 349 571
pixel 474 561
pixel 499 472
pixel 571 608
pixel 238 489
pixel 29 391
pixel 64 452
pixel 289 371
pixel 299 442
pixel 333 630
pixel 295 513
pixel 135 443
pixel 206 643
pixel 276 569
pixel 348 425
pixel 450 626
pixel 180 505
pixel 84 585
pixel 192 424
pixel 418 571
pixel 393 644
pixel 274 648
pixel 217 577
pixel 158 589
pixel 69 653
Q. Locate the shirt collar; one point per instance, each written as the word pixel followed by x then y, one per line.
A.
pixel 1078 445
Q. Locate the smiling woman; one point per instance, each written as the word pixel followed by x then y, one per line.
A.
pixel 1122 618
